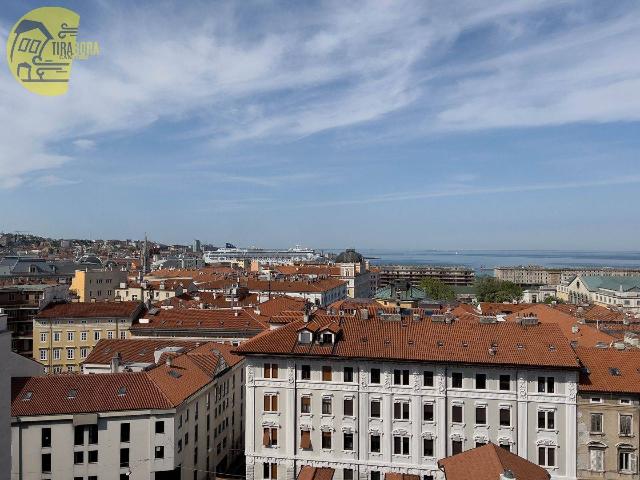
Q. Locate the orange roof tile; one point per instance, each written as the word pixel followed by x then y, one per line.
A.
pixel 609 370
pixel 307 472
pixel 91 310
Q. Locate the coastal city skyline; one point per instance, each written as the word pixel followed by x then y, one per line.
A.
pixel 329 124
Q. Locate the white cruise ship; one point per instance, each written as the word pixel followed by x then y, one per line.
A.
pixel 231 253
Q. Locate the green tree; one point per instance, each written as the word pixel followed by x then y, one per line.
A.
pixel 549 300
pixel 437 290
pixel 490 289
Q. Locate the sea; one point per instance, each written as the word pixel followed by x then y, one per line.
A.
pixel 484 261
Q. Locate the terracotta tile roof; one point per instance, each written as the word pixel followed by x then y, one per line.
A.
pixel 593 313
pixel 93 393
pixel 489 308
pixel 582 334
pixel 279 304
pixel 91 310
pixel 488 463
pixel 424 340
pixel 133 350
pixel 201 319
pixel 400 476
pixel 330 270
pixel 307 472
pixel 161 387
pixel 207 300
pixel 609 370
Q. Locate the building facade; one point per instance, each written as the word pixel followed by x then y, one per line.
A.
pixel 339 394
pixel 618 292
pixel 97 285
pixel 456 276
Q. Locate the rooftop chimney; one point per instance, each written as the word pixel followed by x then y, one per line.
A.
pixel 115 362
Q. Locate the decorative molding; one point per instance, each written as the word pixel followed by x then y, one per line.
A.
pixel 400 431
pixel 291 374
pixel 387 380
pixel 417 380
pixel 250 377
pixel 442 383
pixel 572 390
pixel 522 387
pixel 546 441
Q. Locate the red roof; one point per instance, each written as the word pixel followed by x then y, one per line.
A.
pixel 609 370
pixel 423 340
pixel 279 304
pixel 91 310
pixel 243 320
pixel 488 463
pixel 307 472
pixel 133 350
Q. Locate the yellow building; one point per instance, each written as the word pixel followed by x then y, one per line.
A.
pixel 65 333
pixel 97 285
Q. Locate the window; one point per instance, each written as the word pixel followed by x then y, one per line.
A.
pixel 625 425
pixel 326 373
pixel 375 409
pixel 400 445
pixel 456 413
pixel 96 335
pixel 481 415
pixel 93 434
pixel 271 403
pixel 159 451
pixel 375 443
pixel 596 423
pixel 427 412
pixel 627 461
pixel 401 377
pixel 46 462
pixel 547 456
pixel 43 354
pixel 56 336
pixel 69 336
pixel 78 458
pixel 78 435
pixel 401 410
pixel 456 447
pixel 347 474
pixel 305 336
pixel 305 439
pixel 546 419
pixel 326 405
pixel 481 381
pixel 160 426
pixel 375 375
pixel 84 351
pixel 93 456
pixel 305 405
pixel 347 407
pixel 596 459
pixel 46 437
pixel 270 370
pixel 56 353
pixel 505 417
pixel 305 372
pixel 427 447
pixel 70 352
pixel 347 441
pixel 375 475
pixel 596 400
pixel 125 432
pixel 124 457
pixel 270 437
pixel 270 471
pixel 546 385
pixel 347 374
pixel 43 337
pixel 326 440
pixel 456 380
pixel 505 382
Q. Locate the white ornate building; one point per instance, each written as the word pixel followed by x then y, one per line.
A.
pixel 370 396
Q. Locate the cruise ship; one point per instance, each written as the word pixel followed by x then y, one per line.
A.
pixel 231 253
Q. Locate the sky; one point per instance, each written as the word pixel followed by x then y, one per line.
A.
pixel 380 124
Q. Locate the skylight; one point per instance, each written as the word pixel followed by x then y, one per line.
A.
pixel 122 391
pixel 72 393
pixel 27 396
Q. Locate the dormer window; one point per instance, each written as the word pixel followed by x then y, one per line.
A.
pixel 327 337
pixel 305 336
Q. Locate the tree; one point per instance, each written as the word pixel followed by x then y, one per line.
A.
pixel 553 299
pixel 437 290
pixel 490 289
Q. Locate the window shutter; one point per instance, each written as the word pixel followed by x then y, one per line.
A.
pixel 265 437
pixel 633 462
pixel 274 436
pixel 267 403
pixel 274 403
pixel 274 374
pixel 274 471
pixel 267 370
pixel 305 439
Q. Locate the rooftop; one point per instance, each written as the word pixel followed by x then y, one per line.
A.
pixel 90 310
pixel 609 370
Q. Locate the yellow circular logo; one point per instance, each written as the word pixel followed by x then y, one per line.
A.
pixel 41 48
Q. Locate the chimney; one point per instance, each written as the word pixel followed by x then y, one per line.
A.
pixel 115 362
pixel 169 361
pixel 507 475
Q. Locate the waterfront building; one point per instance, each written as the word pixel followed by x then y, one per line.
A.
pixel 369 396
pixel 618 292
pixel 414 274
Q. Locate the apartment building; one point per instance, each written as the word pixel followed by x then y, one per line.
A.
pixel 21 303
pixel 535 275
pixel 65 333
pixel 457 276
pixel 177 419
pixel 608 413
pixel 372 396
pixel 97 284
pixel 154 290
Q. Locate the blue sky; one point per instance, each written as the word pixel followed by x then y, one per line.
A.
pixel 382 124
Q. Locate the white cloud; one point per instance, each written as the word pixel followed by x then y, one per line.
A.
pixel 84 144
